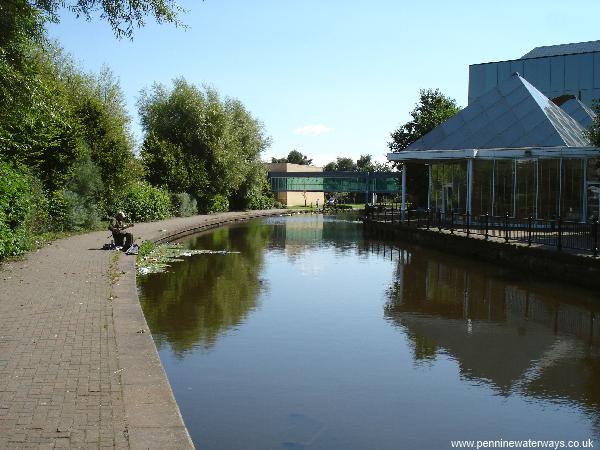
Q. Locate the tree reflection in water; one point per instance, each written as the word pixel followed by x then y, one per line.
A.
pixel 194 302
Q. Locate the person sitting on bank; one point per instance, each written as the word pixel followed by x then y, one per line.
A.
pixel 118 227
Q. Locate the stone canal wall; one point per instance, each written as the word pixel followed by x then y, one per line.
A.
pixel 539 261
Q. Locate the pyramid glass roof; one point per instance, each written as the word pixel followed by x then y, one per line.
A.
pixel 514 114
pixel 579 111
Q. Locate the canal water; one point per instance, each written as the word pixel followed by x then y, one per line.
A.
pixel 307 335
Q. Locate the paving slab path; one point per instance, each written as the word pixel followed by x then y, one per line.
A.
pixel 78 367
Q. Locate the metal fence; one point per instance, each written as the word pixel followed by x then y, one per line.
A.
pixel 558 233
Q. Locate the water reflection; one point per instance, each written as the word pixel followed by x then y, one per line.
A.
pixel 208 294
pixel 517 337
pixel 297 235
pixel 315 337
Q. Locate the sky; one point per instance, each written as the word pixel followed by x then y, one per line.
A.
pixel 328 78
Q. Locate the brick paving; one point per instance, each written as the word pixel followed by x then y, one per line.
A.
pixel 61 380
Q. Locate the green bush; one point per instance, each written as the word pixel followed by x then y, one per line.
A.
pixel 183 205
pixel 143 202
pixel 82 195
pixel 260 201
pixel 58 211
pixel 38 219
pixel 15 211
pixel 218 203
pixel 81 213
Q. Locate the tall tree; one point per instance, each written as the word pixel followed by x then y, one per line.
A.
pixel 199 143
pixel 432 109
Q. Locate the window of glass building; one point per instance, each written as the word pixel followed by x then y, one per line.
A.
pixel 548 188
pixel 449 186
pixel 572 189
pixel 525 195
pixel 503 181
pixel 482 187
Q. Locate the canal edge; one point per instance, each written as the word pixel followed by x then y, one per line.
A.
pixel 542 263
pixel 152 414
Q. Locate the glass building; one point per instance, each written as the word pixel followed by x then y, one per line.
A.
pixel 511 151
pixel 556 70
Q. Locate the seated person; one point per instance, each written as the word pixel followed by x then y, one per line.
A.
pixel 118 226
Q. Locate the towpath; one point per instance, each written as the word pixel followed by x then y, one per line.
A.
pixel 78 367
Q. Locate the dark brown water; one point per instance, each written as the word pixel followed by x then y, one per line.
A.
pixel 315 338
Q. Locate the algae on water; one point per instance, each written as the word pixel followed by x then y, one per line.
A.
pixel 158 258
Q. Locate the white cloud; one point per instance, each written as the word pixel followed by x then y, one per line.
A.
pixel 312 130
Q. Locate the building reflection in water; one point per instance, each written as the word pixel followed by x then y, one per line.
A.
pixel 512 335
pixel 301 234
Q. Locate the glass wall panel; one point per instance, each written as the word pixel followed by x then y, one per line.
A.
pixel 503 181
pixel 597 70
pixel 571 72
pixel 491 76
pixel 482 187
pixel 593 188
pixel 572 186
pixel 476 81
pixel 557 73
pixel 525 195
pixel 537 72
pixel 548 188
pixel 517 66
pixel 504 71
pixel 449 186
pixel 586 71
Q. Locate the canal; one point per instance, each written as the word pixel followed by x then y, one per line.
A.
pixel 307 335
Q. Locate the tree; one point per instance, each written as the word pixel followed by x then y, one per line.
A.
pixel 341 164
pixel 330 167
pixel 122 15
pixel 364 163
pixel 294 157
pixel 432 109
pixel 199 143
pixel 594 129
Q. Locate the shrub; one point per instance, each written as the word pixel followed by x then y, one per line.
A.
pixel 15 207
pixel 82 194
pixel 81 213
pixel 58 211
pixel 183 205
pixel 143 202
pixel 39 218
pixel 260 201
pixel 218 203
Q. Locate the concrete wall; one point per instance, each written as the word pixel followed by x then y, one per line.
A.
pixel 287 167
pixel 297 198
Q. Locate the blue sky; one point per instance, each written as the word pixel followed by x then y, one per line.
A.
pixel 329 78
